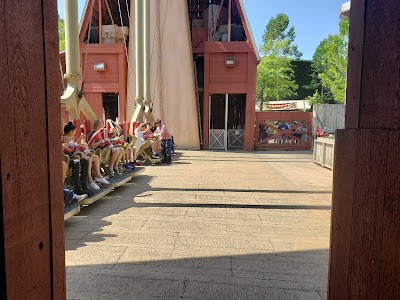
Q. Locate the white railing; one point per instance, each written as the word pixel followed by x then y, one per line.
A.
pixel 324 150
pixel 236 138
pixel 217 139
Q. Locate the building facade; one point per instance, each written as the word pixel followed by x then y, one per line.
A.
pixel 203 68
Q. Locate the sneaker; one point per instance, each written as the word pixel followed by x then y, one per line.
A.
pixel 132 166
pixel 127 166
pixel 136 164
pixel 102 180
pixel 117 172
pixel 111 173
pixel 168 162
pixel 87 191
pixel 79 198
pixel 94 186
pixel 83 191
pixel 155 156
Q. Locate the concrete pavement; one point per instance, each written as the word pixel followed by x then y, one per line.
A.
pixel 213 225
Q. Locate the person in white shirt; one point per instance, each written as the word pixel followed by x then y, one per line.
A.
pixel 139 133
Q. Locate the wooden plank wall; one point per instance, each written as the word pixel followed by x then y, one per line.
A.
pixel 365 238
pixel 110 75
pixel 96 102
pixel 365 234
pixel 240 79
pixel 31 185
pixel 331 116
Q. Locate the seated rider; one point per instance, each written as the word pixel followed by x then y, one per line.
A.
pixel 96 139
pixel 139 133
pixel 151 134
pixel 69 196
pixel 166 140
pixel 127 158
pixel 93 161
pixel 79 176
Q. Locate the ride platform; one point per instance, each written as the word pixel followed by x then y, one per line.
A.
pixel 97 195
pixel 119 180
pixel 71 210
pixel 136 172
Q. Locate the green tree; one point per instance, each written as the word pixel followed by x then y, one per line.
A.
pixel 303 75
pixel 275 75
pixel 278 39
pixel 275 79
pixel 61 33
pixel 330 64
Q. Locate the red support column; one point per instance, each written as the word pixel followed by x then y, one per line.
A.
pixel 32 257
pixel 250 103
pixel 365 237
pixel 206 102
pixel 122 65
pixel 100 9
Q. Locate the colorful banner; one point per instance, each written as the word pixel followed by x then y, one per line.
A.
pixel 280 106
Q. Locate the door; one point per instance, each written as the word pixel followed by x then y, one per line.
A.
pixel 218 124
pixel 236 121
pixel 227 121
pixel 111 106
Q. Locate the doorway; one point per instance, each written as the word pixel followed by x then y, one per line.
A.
pixel 111 105
pixel 227 121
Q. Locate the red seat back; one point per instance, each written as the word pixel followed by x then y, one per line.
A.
pixel 125 127
pixel 77 124
pixel 88 127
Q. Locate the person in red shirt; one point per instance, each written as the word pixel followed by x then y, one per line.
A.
pixel 96 140
pixel 166 141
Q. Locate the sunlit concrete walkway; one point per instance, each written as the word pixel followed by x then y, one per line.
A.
pixel 213 225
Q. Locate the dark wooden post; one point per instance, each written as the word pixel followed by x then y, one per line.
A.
pixel 32 263
pixel 365 238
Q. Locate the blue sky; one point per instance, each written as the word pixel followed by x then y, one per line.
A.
pixel 313 20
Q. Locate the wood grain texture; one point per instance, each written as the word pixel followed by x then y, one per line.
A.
pixel 33 233
pixel 331 116
pixel 50 23
pixel 227 47
pixel 206 104
pixel 25 81
pixel 122 79
pixel 227 88
pixel 369 198
pixel 364 260
pixel 380 101
pixel 250 103
pixel 305 119
pixel 344 177
pixel 3 95
pixel 96 102
pixel 110 75
pixel 355 61
pixel 390 262
pixel 219 73
pixel 359 189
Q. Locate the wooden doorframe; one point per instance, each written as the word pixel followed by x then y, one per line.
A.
pixel 31 182
pixel 3 286
pixel 365 235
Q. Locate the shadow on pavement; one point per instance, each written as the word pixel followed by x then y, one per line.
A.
pixel 145 274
